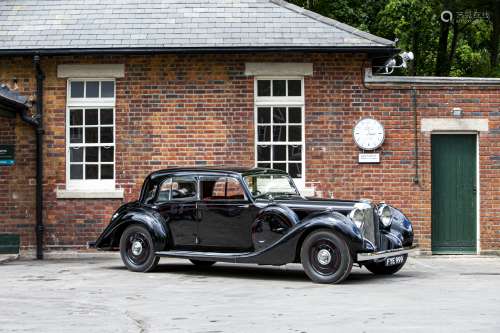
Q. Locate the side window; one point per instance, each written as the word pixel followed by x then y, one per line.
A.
pixel 177 188
pixel 183 189
pixel 221 188
pixel 164 192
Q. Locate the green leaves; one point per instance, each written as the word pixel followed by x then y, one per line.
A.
pixel 468 46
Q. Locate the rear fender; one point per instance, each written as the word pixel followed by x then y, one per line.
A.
pixel 151 220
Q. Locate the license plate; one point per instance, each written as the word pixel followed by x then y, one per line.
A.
pixel 394 260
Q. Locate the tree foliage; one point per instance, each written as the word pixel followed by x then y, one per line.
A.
pixel 466 45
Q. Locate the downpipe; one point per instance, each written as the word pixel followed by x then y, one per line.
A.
pixel 39 228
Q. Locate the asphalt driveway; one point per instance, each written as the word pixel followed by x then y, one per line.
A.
pixel 430 294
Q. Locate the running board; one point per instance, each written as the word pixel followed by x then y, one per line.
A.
pixel 215 256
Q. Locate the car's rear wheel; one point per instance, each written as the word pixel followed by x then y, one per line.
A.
pixel 325 257
pixel 137 249
pixel 379 268
pixel 202 263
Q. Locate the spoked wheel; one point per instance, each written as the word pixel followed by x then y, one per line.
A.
pixel 202 263
pixel 325 257
pixel 379 268
pixel 137 249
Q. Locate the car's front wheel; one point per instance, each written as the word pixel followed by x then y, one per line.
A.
pixel 379 268
pixel 137 249
pixel 325 257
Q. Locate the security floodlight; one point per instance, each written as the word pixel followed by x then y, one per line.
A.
pixel 392 63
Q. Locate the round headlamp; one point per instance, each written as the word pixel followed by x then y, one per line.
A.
pixel 385 215
pixel 357 216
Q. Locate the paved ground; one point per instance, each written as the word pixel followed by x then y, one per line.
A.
pixel 438 294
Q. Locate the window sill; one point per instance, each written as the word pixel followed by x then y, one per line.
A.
pixel 72 194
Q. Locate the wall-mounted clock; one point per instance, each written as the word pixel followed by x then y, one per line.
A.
pixel 368 134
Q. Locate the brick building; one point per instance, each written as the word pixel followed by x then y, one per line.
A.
pixel 131 88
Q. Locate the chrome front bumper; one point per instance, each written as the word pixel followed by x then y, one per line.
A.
pixel 385 254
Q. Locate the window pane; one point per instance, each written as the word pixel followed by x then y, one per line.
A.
pixel 107 171
pixel 279 133
pixel 91 117
pixel 234 190
pixel 279 153
pixel 106 134
pixel 107 89
pixel 264 165
pixel 184 189
pixel 107 154
pixel 294 115
pixel 295 170
pixel 294 153
pixel 92 89
pixel 75 135
pixel 279 166
pixel 76 154
pixel 106 116
pixel 263 153
pixel 294 88
pixel 279 88
pixel 75 117
pixel 91 135
pixel 92 154
pixel 279 115
pixel 264 133
pixel 295 133
pixel 263 115
pixel 76 89
pixel 91 171
pixel 263 88
pixel 76 171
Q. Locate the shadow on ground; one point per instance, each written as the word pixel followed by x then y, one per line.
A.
pixel 255 272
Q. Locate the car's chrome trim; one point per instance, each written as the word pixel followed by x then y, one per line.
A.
pixel 385 254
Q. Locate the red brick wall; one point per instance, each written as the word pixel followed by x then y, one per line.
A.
pixel 198 110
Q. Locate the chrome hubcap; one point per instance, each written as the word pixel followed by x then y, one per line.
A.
pixel 136 248
pixel 324 257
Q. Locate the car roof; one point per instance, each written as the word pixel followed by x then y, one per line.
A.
pixel 243 171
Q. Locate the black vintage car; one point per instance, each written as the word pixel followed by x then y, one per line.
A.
pixel 257 215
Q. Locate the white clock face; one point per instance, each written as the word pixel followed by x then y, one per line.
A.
pixel 368 134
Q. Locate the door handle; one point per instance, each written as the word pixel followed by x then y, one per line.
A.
pixel 474 189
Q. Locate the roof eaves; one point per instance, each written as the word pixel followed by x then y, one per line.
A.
pixel 335 23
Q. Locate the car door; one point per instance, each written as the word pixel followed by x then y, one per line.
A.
pixel 226 215
pixel 177 200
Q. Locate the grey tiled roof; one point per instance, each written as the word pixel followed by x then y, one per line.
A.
pixel 123 24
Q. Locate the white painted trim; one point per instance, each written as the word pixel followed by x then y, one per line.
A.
pixel 369 78
pixel 65 194
pixel 452 124
pixel 89 71
pixel 285 101
pixel 278 68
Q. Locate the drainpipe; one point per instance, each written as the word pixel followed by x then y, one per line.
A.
pixel 39 157
pixel 416 178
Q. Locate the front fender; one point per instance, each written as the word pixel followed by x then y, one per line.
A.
pixel 400 233
pixel 151 220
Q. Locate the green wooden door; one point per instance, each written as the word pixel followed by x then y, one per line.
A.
pixel 453 193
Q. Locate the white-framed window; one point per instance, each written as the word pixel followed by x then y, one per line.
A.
pixel 90 135
pixel 279 125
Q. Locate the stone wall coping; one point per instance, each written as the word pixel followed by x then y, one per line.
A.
pixel 428 80
pixel 69 194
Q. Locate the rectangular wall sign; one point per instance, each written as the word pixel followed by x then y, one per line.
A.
pixel 7 155
pixel 369 158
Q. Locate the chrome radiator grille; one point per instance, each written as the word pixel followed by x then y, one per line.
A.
pixel 369 228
